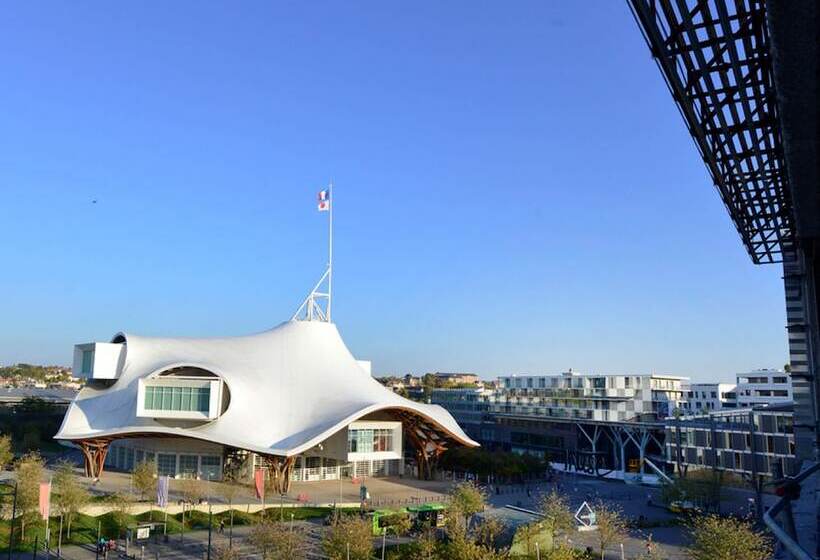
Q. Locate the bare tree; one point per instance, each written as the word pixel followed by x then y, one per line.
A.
pixel 276 540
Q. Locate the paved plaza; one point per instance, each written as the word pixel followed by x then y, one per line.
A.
pixel 507 502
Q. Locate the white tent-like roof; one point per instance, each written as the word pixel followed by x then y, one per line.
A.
pixel 290 388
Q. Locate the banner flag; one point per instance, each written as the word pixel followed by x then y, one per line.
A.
pixel 259 483
pixel 324 201
pixel 163 483
pixel 45 499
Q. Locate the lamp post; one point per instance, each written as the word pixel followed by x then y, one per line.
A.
pixel 8 484
pixel 210 528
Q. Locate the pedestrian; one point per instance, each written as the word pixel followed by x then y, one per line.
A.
pixel 221 526
pixel 649 500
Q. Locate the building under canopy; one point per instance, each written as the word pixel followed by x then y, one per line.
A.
pixel 292 399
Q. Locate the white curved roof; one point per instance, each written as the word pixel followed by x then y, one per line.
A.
pixel 291 388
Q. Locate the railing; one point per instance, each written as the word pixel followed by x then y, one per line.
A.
pixel 787 534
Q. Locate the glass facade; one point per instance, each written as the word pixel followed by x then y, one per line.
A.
pixel 211 467
pixel 186 399
pixel 166 464
pixel 88 361
pixel 188 466
pixel 368 441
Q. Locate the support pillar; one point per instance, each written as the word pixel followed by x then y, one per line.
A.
pixel 428 445
pixel 280 469
pixel 94 453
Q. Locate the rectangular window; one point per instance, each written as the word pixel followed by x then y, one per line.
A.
pixel 184 399
pixel 211 466
pixel 167 394
pixel 383 440
pixel 360 441
pixel 188 466
pixel 88 361
pixel 166 464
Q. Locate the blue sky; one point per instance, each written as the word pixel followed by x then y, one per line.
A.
pixel 515 190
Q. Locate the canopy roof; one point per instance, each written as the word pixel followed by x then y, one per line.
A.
pixel 290 387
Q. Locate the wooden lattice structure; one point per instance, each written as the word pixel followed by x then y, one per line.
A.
pixel 94 453
pixel 429 441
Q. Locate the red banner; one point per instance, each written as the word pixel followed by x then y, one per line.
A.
pixel 45 499
pixel 259 483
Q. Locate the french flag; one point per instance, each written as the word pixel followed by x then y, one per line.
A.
pixel 324 200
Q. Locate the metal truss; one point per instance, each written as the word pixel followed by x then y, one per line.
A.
pixel 316 306
pixel 714 56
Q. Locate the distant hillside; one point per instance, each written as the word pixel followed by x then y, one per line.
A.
pixel 37 373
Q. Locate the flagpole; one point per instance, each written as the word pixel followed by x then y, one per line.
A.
pixel 330 252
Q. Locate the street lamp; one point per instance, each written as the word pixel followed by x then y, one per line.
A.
pixel 8 484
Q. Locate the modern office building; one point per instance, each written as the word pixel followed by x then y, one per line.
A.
pixel 752 442
pixel 292 399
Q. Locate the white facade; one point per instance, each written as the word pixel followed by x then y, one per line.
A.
pixel 702 398
pixel 613 398
pixel 763 387
pixel 287 392
pixel 98 360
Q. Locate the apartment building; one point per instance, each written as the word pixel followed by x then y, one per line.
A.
pixel 757 441
pixel 702 398
pixel 762 387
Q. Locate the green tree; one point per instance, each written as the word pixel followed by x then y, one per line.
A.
pixel 143 479
pixel 29 471
pixel 611 525
pixel 466 499
pixel 461 548
pixel 557 515
pixel 69 494
pixel 489 532
pixel 6 454
pixel 717 538
pixel 562 552
pixel 424 548
pixel 528 535
pixel 701 487
pixel 276 540
pixel 397 523
pixel 352 532
pixel 120 511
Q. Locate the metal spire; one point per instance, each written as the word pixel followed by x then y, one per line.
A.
pixel 317 306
